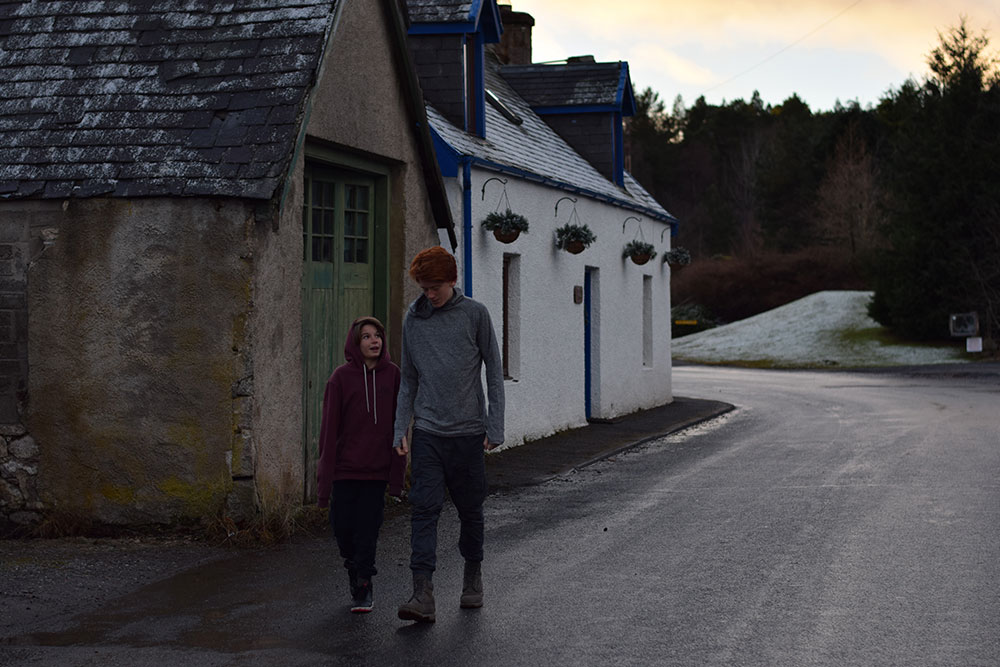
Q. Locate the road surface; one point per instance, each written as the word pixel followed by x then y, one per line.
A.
pixel 831 519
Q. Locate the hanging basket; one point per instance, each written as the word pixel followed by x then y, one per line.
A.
pixel 574 238
pixel 677 258
pixel 639 252
pixel 506 236
pixel 506 226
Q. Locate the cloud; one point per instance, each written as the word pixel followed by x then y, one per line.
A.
pixel 657 62
pixel 900 32
pixel 692 47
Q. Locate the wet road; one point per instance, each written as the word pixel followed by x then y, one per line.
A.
pixel 832 519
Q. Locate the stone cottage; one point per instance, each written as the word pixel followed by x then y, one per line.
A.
pixel 195 201
pixel 585 336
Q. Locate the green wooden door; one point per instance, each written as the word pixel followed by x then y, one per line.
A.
pixel 337 286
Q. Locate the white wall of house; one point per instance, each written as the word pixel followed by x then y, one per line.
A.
pixel 546 339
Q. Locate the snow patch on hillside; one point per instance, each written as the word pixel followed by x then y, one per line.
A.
pixel 818 330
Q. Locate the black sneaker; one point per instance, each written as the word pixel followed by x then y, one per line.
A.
pixel 363 600
pixel 352 582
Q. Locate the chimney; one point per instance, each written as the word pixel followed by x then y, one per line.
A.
pixel 515 43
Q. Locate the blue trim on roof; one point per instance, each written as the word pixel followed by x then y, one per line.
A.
pixel 489 21
pixel 619 148
pixel 625 95
pixel 451 28
pixel 447 157
pixel 484 19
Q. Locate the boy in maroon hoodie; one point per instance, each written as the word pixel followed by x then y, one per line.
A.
pixel 355 452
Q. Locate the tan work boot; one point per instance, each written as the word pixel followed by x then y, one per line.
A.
pixel 472 585
pixel 420 606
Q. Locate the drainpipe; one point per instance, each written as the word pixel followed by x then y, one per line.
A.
pixel 467 226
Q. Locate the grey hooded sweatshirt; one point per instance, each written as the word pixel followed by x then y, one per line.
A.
pixel 444 350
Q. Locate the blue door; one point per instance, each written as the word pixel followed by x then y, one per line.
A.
pixel 586 339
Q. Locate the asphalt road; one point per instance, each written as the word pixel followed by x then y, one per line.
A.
pixel 831 519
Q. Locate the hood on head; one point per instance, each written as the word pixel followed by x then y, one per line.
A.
pixel 352 345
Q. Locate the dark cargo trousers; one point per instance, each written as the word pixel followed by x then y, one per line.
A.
pixel 356 513
pixel 457 464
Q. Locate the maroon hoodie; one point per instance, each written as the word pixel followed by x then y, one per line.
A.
pixel 359 405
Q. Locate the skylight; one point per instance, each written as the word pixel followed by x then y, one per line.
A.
pixel 504 110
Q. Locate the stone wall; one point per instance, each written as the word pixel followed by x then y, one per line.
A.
pixel 138 399
pixel 13 319
pixel 19 501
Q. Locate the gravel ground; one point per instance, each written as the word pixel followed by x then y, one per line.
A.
pixel 45 582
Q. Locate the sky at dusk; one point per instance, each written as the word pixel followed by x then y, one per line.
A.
pixel 823 50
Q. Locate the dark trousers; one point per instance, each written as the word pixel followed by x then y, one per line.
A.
pixel 457 464
pixel 356 510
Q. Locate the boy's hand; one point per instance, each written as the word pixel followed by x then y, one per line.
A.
pixel 487 445
pixel 403 447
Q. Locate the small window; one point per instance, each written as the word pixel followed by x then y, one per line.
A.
pixel 511 316
pixel 356 223
pixel 318 215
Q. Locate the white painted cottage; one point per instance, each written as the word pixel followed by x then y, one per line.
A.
pixel 584 336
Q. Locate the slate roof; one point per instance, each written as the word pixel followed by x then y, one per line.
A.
pixel 535 150
pixel 592 84
pixel 132 98
pixel 439 11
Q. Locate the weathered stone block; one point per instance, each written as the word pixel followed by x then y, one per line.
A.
pixel 13 467
pixel 24 448
pixel 25 518
pixel 241 503
pixel 242 456
pixel 10 496
pixel 12 429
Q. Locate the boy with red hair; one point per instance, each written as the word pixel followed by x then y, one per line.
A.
pixel 447 339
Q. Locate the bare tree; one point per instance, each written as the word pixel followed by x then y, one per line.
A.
pixel 847 204
pixel 744 163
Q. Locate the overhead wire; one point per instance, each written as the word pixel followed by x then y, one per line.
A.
pixel 786 47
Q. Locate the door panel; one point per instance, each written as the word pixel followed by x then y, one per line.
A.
pixel 337 286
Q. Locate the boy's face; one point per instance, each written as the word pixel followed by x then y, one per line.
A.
pixel 371 343
pixel 437 293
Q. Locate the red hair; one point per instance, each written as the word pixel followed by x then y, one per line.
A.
pixel 434 265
